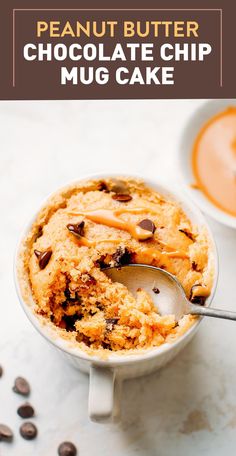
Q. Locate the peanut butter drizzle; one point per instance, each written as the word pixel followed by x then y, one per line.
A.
pixel 111 219
pixel 87 243
pixel 156 254
pixel 136 210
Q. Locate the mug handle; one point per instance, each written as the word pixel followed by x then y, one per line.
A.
pixel 103 404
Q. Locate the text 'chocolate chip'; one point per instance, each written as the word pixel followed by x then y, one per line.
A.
pixel 67 449
pixel 28 431
pixel 21 386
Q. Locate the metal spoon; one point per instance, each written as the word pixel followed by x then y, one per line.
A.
pixel 171 299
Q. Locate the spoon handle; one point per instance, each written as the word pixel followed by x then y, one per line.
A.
pixel 208 312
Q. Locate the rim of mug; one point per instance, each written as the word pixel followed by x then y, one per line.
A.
pixel 113 359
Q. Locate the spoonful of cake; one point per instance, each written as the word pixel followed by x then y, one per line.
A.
pixel 166 291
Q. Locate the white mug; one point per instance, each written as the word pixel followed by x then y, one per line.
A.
pixel 106 375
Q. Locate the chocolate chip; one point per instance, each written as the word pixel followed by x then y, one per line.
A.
pixel 122 198
pixel 102 187
pixel 28 431
pixel 147 225
pixel 122 256
pixel 156 290
pixel 67 449
pixel 200 300
pixel 1 371
pixel 195 299
pixel 21 386
pixel 101 263
pixel 99 305
pixel 69 322
pixel 106 346
pixel 75 298
pixel 195 267
pixel 25 410
pixel 119 187
pixel 6 433
pixel 43 257
pixel 111 322
pixel 188 234
pixel 76 228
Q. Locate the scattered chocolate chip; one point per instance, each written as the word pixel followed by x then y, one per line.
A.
pixel 122 198
pixel 147 225
pixel 188 234
pixel 1 371
pixel 156 290
pixel 198 300
pixel 102 187
pixel 43 257
pixel 6 433
pixel 99 305
pixel 28 431
pixel 76 228
pixel 111 322
pixel 69 322
pixel 122 256
pixel 106 346
pixel 101 263
pixel 21 386
pixel 119 187
pixel 195 267
pixel 67 449
pixel 92 312
pixel 72 296
pixel 25 410
pixel 52 318
pixel 64 305
pixel 195 299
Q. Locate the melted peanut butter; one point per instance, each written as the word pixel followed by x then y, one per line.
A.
pixel 110 218
pixel 214 160
pixel 153 253
pixel 83 241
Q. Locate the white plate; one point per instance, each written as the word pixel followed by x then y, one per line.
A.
pixel 196 121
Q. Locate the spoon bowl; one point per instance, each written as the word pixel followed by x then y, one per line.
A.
pixel 165 290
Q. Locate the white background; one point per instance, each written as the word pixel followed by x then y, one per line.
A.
pixel 188 408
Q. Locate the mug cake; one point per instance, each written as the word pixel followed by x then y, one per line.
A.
pixel 98 223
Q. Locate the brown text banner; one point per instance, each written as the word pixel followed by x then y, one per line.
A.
pixel 77 50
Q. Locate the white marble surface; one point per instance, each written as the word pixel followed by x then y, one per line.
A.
pixel 188 408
